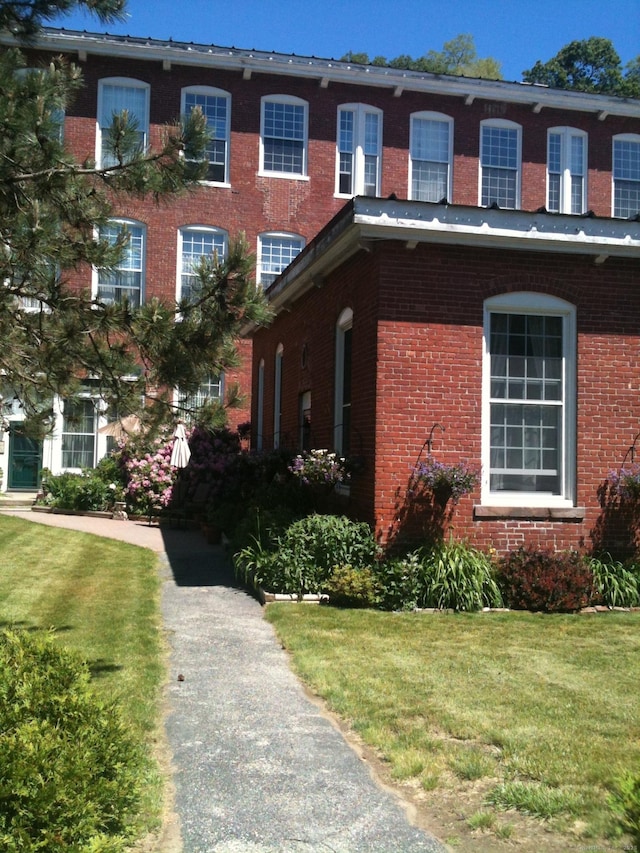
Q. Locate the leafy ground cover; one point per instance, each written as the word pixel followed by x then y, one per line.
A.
pixel 100 598
pixel 501 728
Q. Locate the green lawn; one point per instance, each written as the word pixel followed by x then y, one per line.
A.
pixel 531 712
pixel 100 597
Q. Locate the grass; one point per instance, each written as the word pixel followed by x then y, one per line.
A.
pixel 541 709
pixel 100 598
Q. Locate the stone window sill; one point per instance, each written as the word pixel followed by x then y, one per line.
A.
pixel 535 513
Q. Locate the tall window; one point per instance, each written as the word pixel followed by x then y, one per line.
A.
pixel 78 433
pixel 342 404
pixel 500 163
pixel 626 175
pixel 115 95
pixel 277 396
pixel 304 421
pixel 196 243
pixel 529 400
pixel 275 253
pixel 431 154
pixel 260 407
pixel 284 136
pixel 359 150
pixel 53 116
pixel 211 390
pixel 566 170
pixel 126 281
pixel 216 108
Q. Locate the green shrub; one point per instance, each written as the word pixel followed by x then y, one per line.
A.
pixel 458 577
pixel 399 582
pixel 614 585
pixel 68 763
pixel 81 492
pixel 625 805
pixel 302 559
pixel 550 581
pixel 349 587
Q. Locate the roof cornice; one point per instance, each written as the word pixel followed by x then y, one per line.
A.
pixel 363 221
pixel 326 71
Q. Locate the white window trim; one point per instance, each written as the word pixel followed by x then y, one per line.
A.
pixel 361 111
pixel 99 419
pixel 143 277
pixel 567 133
pixel 509 125
pixel 343 324
pixel 285 99
pixel 131 83
pixel 535 304
pixel 209 229
pixel 215 93
pixel 285 235
pixel 427 115
pixel 620 137
pixel 277 396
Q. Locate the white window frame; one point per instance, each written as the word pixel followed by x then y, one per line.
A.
pixel 344 324
pixel 439 118
pixel 104 122
pixel 126 224
pixel 197 229
pixel 621 138
pixel 284 237
pixel 211 92
pixel 93 402
pixel 359 150
pixel 566 172
pixel 537 305
pixel 500 125
pixel 200 397
pixel 286 100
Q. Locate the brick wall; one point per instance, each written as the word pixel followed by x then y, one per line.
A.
pixel 417 361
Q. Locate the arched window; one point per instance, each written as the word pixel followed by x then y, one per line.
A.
pixel 196 242
pixel 626 174
pixel 260 407
pixel 284 136
pixel 342 405
pixel 116 94
pixel 566 170
pixel 359 150
pixel 430 156
pixel 215 105
pixel 500 163
pixel 126 280
pixel 276 250
pixel 277 396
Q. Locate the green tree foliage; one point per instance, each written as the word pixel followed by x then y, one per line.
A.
pixel 51 210
pixel 590 65
pixel 458 57
pixel 24 17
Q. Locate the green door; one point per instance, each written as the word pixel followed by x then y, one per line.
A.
pixel 25 460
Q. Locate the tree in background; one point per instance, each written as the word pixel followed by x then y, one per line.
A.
pixel 591 65
pixel 458 57
pixel 51 211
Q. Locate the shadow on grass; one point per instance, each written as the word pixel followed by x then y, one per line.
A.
pixel 194 562
pixel 101 667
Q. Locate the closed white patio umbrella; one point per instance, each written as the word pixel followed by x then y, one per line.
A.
pixel 180 453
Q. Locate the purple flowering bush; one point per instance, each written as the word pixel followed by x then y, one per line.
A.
pixel 446 481
pixel 625 483
pixel 319 467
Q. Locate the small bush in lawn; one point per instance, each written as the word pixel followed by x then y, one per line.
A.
pixel 349 587
pixel 399 582
pixel 458 577
pixel 68 764
pixel 614 584
pixel 625 804
pixel 553 582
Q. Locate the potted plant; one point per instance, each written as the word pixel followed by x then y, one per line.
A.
pixel 446 482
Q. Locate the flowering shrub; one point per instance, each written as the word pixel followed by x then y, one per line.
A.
pixel 150 478
pixel 446 481
pixel 537 579
pixel 626 482
pixel 319 467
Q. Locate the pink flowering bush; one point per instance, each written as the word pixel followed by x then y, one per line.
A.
pixel 150 476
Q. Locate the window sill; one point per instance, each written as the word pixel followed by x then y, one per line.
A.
pixel 532 513
pixel 286 175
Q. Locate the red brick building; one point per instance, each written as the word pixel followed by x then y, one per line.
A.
pixel 293 138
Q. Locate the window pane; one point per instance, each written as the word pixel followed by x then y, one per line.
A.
pixel 626 176
pixel 78 434
pixel 215 110
pixel 198 244
pixel 115 99
pixel 429 159
pixel 276 253
pixel 125 281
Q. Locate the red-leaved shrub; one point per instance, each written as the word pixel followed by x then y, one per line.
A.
pixel 537 579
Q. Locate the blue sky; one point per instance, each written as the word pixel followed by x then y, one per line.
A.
pixel 516 32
